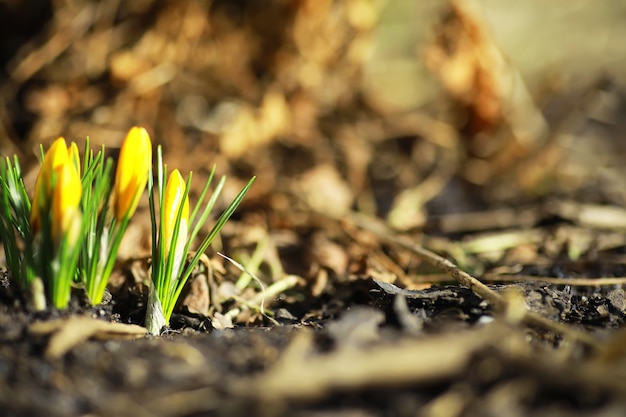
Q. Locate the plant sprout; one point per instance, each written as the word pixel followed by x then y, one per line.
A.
pixel 105 230
pixel 172 260
pixel 72 231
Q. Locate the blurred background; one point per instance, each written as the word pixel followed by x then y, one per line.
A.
pixel 395 108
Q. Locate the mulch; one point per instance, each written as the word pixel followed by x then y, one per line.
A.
pixel 466 258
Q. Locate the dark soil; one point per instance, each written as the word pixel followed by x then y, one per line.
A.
pixel 501 367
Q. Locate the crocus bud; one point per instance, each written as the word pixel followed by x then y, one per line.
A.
pixel 56 156
pixel 133 168
pixel 174 191
pixel 65 202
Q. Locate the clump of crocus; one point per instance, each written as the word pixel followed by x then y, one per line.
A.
pixel 71 233
pixel 56 222
pixel 172 263
pixel 72 230
pixel 105 228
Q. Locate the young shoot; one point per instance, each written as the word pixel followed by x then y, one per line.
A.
pixel 15 229
pixel 73 228
pixel 172 263
pixel 55 238
pixel 108 209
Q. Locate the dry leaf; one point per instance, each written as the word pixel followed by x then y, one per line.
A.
pixel 250 128
pixel 71 332
pixel 198 299
pixel 329 254
pixel 500 116
pixel 325 191
pixel 221 322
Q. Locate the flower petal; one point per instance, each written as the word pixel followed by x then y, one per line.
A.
pixel 56 156
pixel 133 168
pixel 65 199
pixel 174 191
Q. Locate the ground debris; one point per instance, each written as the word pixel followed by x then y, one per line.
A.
pixel 68 333
pixel 464 257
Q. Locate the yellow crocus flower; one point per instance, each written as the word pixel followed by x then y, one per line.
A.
pixel 133 168
pixel 56 156
pixel 65 201
pixel 174 191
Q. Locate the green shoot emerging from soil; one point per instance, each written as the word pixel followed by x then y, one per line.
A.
pixel 71 230
pixel 172 260
pixel 42 240
pixel 105 229
pixel 15 230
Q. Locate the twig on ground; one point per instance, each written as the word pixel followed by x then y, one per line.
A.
pixel 575 282
pixel 495 277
